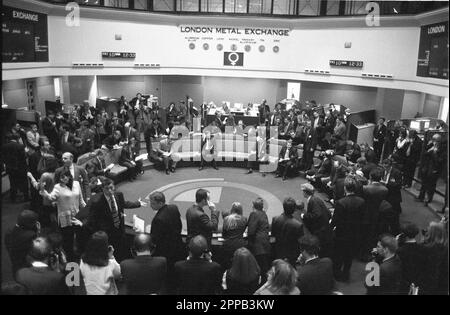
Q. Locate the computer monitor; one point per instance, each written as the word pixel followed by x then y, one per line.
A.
pixel 415 125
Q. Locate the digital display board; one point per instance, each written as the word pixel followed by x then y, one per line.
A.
pixel 24 36
pixel 346 63
pixel 433 51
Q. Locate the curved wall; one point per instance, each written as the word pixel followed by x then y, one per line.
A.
pixel 391 48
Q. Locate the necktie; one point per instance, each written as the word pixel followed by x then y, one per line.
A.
pixel 114 212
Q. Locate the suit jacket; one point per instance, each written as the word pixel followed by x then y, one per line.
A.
pixel 197 277
pixel 258 233
pixel 129 133
pixel 413 151
pixel 99 165
pixel 374 194
pixel 379 132
pixel 49 130
pixel 18 242
pixel 100 216
pixel 316 277
pixel 390 278
pixel 309 140
pixel 368 168
pixel 13 155
pixel 394 186
pixel 347 218
pixel 42 281
pixel 144 275
pixel 166 233
pixel 199 223
pixel 317 219
pixel 293 154
pixel 287 231
pixel 80 176
pixel 414 262
pixel 433 162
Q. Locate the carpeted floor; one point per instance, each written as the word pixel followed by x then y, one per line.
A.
pixel 223 192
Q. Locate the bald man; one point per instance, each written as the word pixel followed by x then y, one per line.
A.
pixel 78 173
pixel 144 274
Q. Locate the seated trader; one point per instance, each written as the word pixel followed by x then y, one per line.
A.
pixel 164 152
pixel 287 159
pixel 127 159
pixel 144 274
pixel 112 141
pixel 316 177
pixel 209 151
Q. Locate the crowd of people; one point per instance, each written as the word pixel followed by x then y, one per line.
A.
pixel 77 215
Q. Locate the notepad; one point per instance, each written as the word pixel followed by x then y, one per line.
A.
pixel 141 157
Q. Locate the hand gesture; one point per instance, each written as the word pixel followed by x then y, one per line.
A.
pixel 76 222
pixel 143 204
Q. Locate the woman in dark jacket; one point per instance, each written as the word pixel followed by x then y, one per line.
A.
pixel 258 236
pixel 234 226
pixel 243 277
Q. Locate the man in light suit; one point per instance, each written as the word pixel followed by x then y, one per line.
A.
pixel 379 133
pixel 317 218
pixel 130 132
pixel 78 173
pixel 287 159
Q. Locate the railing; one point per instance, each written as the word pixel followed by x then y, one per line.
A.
pixel 282 8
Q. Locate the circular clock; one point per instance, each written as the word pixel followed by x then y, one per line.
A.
pixel 205 46
pixel 234 47
pixel 262 48
pixel 248 48
pixel 219 47
pixel 276 49
pixel 191 46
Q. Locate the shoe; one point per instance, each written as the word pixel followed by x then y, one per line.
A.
pixel 277 175
pixel 425 203
pixel 167 172
pixel 263 174
pixel 200 168
pixel 249 171
pixel 284 178
pixel 216 168
pixel 142 172
pixel 172 169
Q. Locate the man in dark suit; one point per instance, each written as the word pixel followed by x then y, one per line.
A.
pixel 287 159
pixel 107 214
pixel 198 222
pixel 50 129
pixel 78 173
pixel 209 150
pixel 264 112
pixel 317 218
pixel 309 146
pixel 393 181
pixel 287 230
pixel 390 268
pixel 198 275
pixel 434 159
pixel 413 256
pixel 374 193
pixel 347 224
pixel 413 153
pixel 130 132
pixel 146 273
pixel 379 133
pixel 314 274
pixel 166 229
pixel 40 279
pixel 19 239
pixel 13 156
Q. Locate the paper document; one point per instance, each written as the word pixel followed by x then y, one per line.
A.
pixel 138 224
pixel 141 157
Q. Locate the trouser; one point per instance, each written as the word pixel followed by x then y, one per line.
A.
pixel 203 161
pixel 368 238
pixel 428 186
pixel 68 235
pixel 344 252
pixel 409 169
pixel 18 181
pixel 264 265
pixel 168 162
pixel 307 159
pixel 378 149
pixel 132 172
pixel 117 240
pixel 141 125
pixel 283 167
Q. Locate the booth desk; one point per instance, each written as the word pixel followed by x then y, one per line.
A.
pixel 246 119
